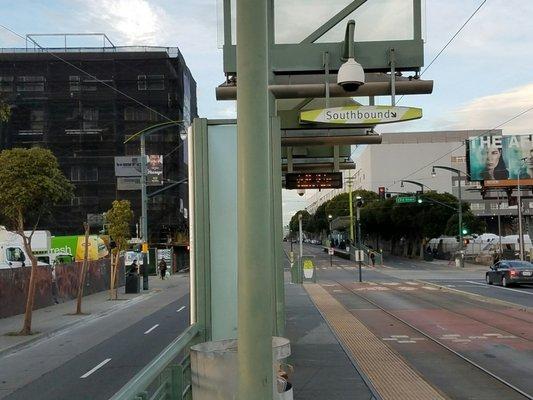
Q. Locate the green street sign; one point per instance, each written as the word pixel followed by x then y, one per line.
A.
pixel 361 115
pixel 405 199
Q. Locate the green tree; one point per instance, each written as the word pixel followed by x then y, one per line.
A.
pixel 31 183
pixel 472 224
pixel 118 219
pixel 294 224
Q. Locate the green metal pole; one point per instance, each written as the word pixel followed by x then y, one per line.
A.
pixel 460 218
pixel 254 189
pixel 352 239
pixel 144 213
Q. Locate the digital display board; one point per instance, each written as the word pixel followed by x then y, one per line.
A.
pixel 313 180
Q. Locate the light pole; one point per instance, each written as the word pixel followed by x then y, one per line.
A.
pixel 359 204
pixel 519 201
pixel 330 218
pixel 144 198
pixel 460 208
pixel 350 201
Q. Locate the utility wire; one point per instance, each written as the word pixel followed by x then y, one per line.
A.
pixel 88 74
pixel 449 42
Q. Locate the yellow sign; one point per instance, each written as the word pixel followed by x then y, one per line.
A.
pixel 361 115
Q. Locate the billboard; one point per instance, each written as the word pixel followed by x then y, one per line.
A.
pixel 128 171
pixel 500 158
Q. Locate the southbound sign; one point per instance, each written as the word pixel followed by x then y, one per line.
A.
pixel 361 115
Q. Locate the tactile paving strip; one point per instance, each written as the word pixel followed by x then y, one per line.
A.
pixel 390 375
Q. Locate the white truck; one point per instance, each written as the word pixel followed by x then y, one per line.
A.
pixel 12 252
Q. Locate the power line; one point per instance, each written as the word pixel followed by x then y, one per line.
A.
pixel 449 42
pixel 88 74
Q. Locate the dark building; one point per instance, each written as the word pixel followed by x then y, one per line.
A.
pixel 83 104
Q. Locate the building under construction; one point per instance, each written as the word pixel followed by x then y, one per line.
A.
pixel 83 103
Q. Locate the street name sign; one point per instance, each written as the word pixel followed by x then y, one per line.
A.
pixel 405 199
pixel 361 115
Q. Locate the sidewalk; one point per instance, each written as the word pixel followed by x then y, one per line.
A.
pixel 49 320
pixel 322 370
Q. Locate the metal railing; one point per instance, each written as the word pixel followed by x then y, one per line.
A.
pixel 164 377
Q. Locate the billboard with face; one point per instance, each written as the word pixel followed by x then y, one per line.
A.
pixel 500 157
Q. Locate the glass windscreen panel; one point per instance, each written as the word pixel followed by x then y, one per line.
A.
pixel 376 20
pixel 520 265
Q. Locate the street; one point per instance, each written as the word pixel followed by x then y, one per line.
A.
pixel 468 339
pixel 93 360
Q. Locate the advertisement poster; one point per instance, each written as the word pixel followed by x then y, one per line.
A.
pixel 128 171
pixel 75 246
pixel 500 157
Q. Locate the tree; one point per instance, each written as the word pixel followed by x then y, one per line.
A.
pixel 118 219
pixel 294 224
pixel 30 184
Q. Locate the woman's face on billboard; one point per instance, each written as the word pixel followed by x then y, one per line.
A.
pixel 492 158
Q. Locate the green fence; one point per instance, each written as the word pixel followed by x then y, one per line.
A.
pixel 168 376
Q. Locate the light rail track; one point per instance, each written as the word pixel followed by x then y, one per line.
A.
pixel 439 343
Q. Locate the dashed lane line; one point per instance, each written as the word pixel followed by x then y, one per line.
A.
pixel 85 375
pixel 181 308
pixel 151 329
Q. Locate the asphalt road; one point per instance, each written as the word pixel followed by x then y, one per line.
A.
pixel 412 316
pixel 101 370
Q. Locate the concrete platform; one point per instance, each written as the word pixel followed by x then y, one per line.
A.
pixel 322 370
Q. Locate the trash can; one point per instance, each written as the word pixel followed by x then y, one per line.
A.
pixel 214 368
pixel 133 283
pixel 460 259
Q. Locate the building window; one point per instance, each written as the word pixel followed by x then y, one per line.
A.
pixel 134 114
pixel 74 82
pixel 30 84
pixel 6 83
pixel 458 159
pixel 90 118
pixel 151 82
pixel 83 173
pixel 78 85
pixel 477 206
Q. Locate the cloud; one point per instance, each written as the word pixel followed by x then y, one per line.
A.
pixel 491 111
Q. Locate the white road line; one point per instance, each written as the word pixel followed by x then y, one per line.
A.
pixel 85 375
pixel 151 329
pixel 499 287
pixel 180 309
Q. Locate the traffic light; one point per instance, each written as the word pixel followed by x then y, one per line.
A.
pixel 419 200
pixel 465 231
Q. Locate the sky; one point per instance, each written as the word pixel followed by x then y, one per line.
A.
pixel 482 79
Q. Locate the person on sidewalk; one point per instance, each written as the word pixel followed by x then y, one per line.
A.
pixel 162 268
pixel 373 259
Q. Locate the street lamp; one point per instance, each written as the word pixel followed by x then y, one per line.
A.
pixel 519 201
pixel 144 198
pixel 460 208
pixel 359 204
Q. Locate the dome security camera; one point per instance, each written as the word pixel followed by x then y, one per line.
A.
pixel 300 192
pixel 351 75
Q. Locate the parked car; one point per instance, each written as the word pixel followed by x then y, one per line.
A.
pixel 510 272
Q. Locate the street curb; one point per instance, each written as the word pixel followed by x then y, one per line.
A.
pixel 478 296
pixel 54 332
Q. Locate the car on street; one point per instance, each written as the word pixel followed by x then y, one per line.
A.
pixel 510 272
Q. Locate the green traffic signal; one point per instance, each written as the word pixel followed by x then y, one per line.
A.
pixel 465 231
pixel 419 200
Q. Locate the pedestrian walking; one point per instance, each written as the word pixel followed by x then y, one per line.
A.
pixel 373 259
pixel 162 268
